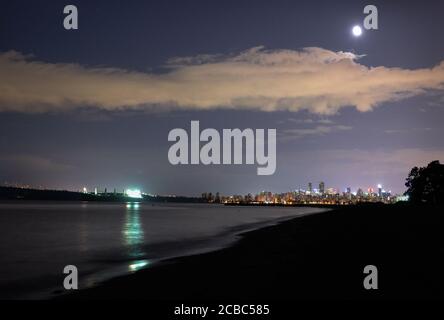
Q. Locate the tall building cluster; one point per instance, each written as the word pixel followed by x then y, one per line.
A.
pixel 311 195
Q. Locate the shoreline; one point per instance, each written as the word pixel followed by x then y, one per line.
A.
pixel 196 247
pixel 319 256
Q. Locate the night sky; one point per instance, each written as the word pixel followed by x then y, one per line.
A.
pixel 93 107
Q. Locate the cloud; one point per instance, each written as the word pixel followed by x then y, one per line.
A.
pixel 401 131
pixel 290 134
pixel 296 120
pixel 23 162
pixel 439 102
pixel 314 79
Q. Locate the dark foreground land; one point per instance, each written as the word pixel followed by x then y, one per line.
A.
pixel 314 257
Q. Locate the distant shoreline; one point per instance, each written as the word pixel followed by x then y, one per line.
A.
pixel 297 205
pixel 23 194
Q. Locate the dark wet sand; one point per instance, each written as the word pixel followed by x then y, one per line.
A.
pixel 320 256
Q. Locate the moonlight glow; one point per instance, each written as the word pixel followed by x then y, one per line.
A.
pixel 357 31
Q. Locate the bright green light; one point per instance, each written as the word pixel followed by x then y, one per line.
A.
pixel 135 193
pixel 132 205
pixel 138 265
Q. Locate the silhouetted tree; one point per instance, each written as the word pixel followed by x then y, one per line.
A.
pixel 426 184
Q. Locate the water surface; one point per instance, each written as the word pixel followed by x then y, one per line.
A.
pixel 37 239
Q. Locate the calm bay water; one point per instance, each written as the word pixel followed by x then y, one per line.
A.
pixel 37 239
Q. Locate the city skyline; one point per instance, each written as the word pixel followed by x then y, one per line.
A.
pixel 97 189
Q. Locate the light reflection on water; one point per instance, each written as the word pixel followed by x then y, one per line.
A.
pixel 133 236
pixel 138 265
pixel 37 239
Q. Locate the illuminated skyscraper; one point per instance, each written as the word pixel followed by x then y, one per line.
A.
pixel 310 187
pixel 321 187
pixel 379 190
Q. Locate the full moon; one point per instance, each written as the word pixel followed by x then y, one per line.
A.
pixel 357 31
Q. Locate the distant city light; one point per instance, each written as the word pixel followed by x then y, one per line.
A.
pixel 402 198
pixel 327 196
pixel 134 193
